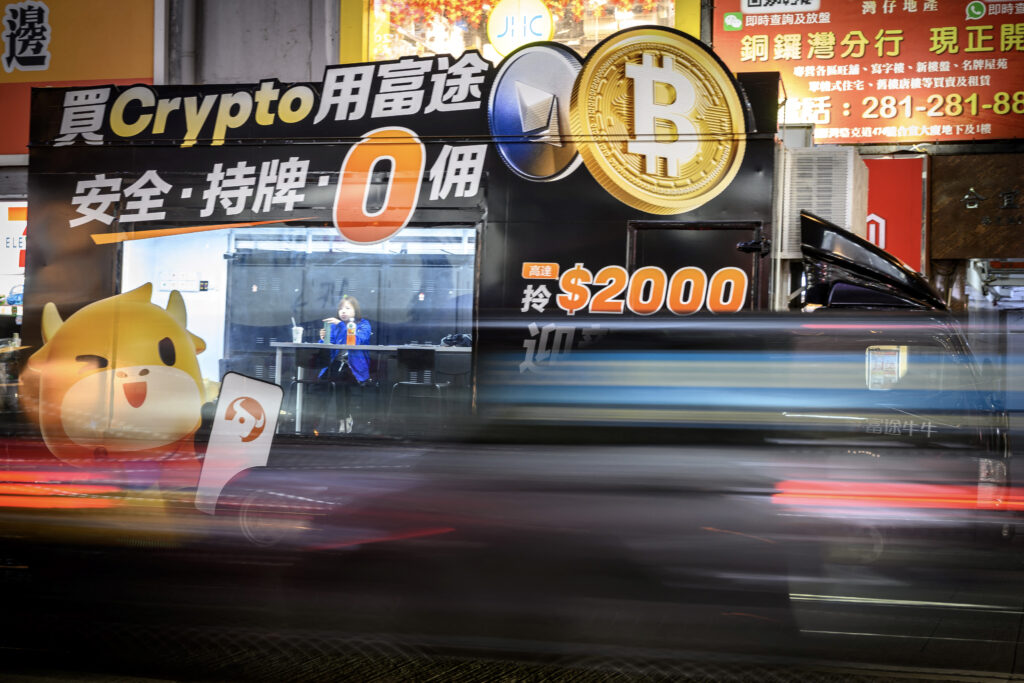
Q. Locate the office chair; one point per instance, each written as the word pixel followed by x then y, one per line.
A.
pixel 331 383
pixel 455 369
pixel 419 396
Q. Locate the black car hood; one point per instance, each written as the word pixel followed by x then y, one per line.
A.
pixel 858 262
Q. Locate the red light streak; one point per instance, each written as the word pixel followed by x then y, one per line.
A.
pixel 55 489
pixel 42 476
pixel 893 495
pixel 56 502
pixel 48 489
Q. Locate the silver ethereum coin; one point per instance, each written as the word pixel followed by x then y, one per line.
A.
pixel 528 111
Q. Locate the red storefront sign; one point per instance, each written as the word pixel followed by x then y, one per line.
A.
pixel 885 70
pixel 896 206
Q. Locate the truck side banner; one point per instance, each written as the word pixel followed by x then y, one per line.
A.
pixel 635 183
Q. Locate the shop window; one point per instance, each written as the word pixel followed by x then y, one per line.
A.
pixel 429 27
pixel 245 289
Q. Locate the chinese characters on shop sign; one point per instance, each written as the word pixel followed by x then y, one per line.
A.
pixel 888 71
pixel 412 89
pixel 26 37
pixel 1006 204
pixel 274 188
pixel 348 93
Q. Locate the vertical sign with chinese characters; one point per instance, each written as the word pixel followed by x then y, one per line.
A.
pixel 886 70
pixel 26 37
pixel 45 43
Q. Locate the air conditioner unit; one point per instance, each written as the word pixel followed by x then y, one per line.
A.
pixel 830 182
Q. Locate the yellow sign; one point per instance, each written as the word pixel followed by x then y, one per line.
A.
pixel 67 43
pixel 665 118
pixel 514 23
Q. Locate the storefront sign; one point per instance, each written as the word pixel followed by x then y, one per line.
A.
pixel 888 71
pixel 13 229
pixel 513 23
pixel 977 207
pixel 896 206
pixel 68 43
pixel 13 226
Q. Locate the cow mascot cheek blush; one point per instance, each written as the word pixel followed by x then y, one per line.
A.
pixel 118 382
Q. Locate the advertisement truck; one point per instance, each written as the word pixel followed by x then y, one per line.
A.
pixel 438 246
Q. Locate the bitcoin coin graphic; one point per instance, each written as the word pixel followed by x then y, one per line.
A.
pixel 657 120
pixel 528 112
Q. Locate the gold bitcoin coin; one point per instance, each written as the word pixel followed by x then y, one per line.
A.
pixel 658 121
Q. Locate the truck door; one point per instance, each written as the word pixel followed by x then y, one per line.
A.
pixel 725 249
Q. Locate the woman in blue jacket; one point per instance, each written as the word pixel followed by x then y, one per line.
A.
pixel 355 365
pixel 358 361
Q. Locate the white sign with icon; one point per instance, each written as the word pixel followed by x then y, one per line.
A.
pixel 13 223
pixel 780 6
pixel 13 227
pixel 243 429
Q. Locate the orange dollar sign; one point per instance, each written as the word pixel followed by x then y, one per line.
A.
pixel 576 294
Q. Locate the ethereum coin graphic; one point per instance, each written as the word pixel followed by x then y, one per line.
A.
pixel 529 112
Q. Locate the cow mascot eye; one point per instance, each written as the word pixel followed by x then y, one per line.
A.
pixel 166 347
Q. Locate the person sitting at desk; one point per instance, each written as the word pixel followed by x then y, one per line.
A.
pixel 348 367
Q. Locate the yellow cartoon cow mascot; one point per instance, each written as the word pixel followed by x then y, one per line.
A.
pixel 119 381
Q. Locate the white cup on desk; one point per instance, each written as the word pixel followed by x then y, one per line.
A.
pixel 297 335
